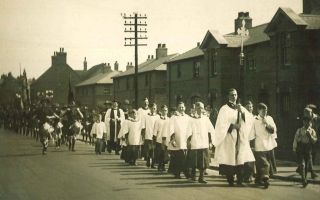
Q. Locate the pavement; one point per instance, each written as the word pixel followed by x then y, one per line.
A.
pixel 286 173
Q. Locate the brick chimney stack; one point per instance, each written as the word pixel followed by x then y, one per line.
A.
pixel 161 51
pixel 238 22
pixel 129 66
pixel 85 68
pixel 311 7
pixel 61 56
pixel 116 66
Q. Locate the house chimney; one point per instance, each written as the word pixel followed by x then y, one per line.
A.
pixel 129 66
pixel 85 68
pixel 54 59
pixel 61 57
pixel 311 7
pixel 148 57
pixel 238 22
pixel 116 66
pixel 198 44
pixel 151 56
pixel 161 51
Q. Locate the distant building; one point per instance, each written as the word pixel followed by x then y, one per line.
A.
pixel 96 90
pixel 281 67
pixel 151 80
pixel 54 83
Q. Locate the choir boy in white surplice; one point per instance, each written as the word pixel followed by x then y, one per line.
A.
pixel 178 139
pixel 232 149
pixel 264 132
pixel 132 131
pixel 113 119
pixel 157 137
pixel 201 133
pixel 166 136
pixel 148 122
pixel 142 112
pixel 99 131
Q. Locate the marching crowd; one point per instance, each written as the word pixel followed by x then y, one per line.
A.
pixel 243 143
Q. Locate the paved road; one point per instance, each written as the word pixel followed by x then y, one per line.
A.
pixel 27 174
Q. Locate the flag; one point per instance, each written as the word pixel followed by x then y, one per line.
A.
pixel 70 95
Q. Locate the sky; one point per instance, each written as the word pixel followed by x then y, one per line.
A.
pixel 31 31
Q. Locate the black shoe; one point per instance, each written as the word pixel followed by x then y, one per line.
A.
pixel 241 184
pixel 304 184
pixel 201 180
pixel 109 151
pixel 177 176
pixel 148 163
pixel 266 184
pixel 313 176
pixel 231 184
pixel 258 182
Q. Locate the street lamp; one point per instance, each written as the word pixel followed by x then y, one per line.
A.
pixel 242 31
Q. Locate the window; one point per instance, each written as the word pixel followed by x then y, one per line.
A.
pixel 286 48
pixel 106 89
pixel 214 66
pixel 251 61
pixel 285 103
pixel 128 83
pixel 196 69
pixel 178 71
pixel 147 80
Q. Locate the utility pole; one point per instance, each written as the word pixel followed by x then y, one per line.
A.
pixel 135 30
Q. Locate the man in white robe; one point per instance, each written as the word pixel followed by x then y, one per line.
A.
pixel 232 149
pixel 113 119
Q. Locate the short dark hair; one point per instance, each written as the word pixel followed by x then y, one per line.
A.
pixel 163 106
pixel 180 102
pixel 152 105
pixel 262 106
pixel 249 103
pixel 230 90
pixel 173 109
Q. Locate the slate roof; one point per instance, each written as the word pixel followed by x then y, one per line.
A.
pixel 313 21
pixel 290 14
pixel 150 65
pixel 216 35
pixel 105 78
pixel 195 52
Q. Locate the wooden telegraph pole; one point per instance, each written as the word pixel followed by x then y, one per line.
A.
pixel 135 30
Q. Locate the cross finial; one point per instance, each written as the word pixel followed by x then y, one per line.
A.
pixel 242 31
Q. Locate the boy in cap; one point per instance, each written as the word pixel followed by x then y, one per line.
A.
pixel 304 138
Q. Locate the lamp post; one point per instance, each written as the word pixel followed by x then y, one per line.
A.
pixel 242 31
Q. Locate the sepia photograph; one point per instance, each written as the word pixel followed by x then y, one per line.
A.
pixel 167 99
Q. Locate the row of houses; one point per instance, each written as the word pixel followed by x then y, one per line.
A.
pixel 281 68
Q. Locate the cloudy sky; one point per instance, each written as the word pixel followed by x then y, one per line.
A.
pixel 31 30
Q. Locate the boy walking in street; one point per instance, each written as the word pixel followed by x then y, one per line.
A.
pixel 99 132
pixel 304 138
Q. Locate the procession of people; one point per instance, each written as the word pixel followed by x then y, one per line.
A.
pixel 243 143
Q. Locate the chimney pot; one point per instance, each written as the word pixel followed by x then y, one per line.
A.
pixel 148 57
pixel 198 44
pixel 246 14
pixel 159 45
pixel 163 45
pixel 131 63
pixel 151 56
pixel 128 64
pixel 240 14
